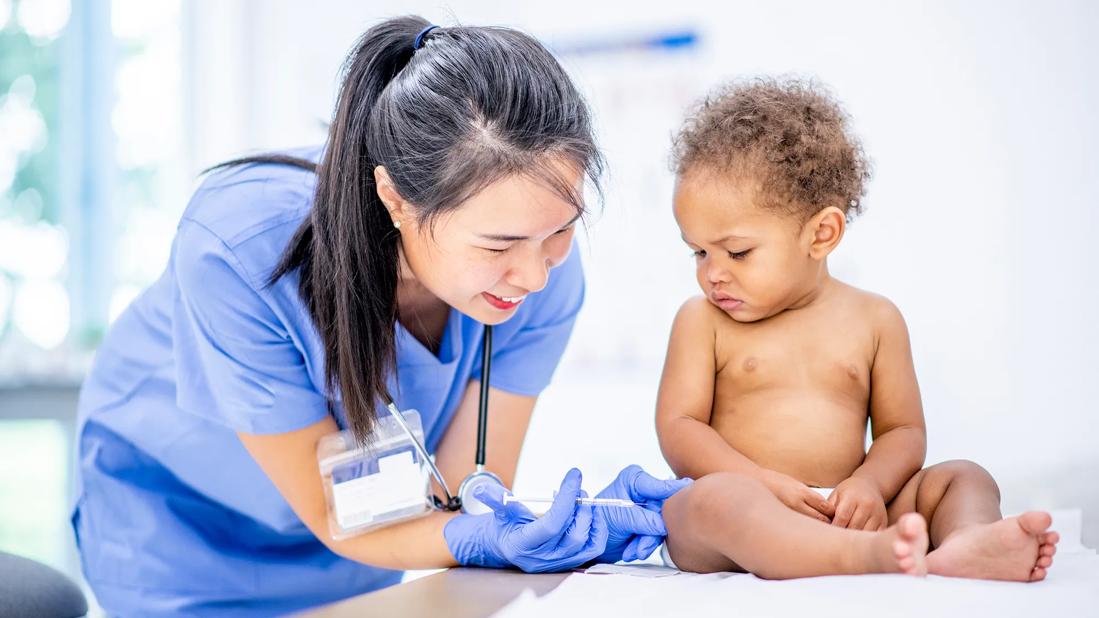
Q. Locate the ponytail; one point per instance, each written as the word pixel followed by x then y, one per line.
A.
pixel 346 249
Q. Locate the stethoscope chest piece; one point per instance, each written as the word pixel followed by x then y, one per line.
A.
pixel 472 505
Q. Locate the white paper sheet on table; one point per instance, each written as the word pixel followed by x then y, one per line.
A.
pixel 1071 589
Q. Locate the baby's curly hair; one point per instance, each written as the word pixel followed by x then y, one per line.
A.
pixel 789 135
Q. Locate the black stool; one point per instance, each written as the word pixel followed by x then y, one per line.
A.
pixel 28 588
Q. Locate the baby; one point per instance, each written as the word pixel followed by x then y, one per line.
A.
pixel 772 373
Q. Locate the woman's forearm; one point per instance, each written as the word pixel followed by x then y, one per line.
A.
pixel 416 544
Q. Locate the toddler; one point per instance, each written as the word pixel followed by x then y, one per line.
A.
pixel 773 371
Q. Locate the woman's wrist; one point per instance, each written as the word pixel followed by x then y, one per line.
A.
pixel 468 540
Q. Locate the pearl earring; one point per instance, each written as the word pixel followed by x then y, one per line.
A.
pixel 397 224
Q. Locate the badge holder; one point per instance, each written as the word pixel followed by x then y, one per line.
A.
pixel 378 484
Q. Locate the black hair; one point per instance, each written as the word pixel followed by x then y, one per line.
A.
pixel 471 106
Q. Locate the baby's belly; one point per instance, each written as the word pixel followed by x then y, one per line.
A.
pixel 816 439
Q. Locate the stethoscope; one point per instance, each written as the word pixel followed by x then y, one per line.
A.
pixel 464 501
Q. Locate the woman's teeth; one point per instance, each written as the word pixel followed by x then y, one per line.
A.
pixel 512 299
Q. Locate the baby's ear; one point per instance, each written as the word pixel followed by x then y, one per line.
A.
pixel 826 230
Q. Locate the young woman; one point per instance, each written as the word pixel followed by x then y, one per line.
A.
pixel 307 289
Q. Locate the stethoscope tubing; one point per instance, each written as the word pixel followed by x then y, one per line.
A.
pixel 454 503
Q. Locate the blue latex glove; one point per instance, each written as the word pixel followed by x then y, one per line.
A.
pixel 567 536
pixel 634 533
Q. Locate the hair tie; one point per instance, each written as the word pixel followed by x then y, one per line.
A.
pixel 419 42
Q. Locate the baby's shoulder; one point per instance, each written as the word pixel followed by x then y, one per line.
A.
pixel 869 307
pixel 696 319
pixel 699 311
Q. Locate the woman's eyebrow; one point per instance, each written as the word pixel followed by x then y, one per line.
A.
pixel 510 238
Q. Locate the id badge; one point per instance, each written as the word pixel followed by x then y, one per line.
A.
pixel 377 484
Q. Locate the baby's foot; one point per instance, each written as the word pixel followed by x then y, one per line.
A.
pixel 902 547
pixel 1014 549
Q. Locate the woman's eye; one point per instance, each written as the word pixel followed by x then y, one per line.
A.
pixel 739 255
pixel 701 253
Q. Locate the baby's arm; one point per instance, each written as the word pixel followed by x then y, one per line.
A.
pixel 686 398
pixel 683 406
pixel 896 420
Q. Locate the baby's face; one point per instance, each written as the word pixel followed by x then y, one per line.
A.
pixel 750 262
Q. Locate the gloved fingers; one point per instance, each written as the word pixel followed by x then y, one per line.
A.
pixel 646 545
pixel 492 495
pixel 644 486
pixel 635 520
pixel 577 535
pixel 559 516
pixel 600 534
pixel 595 545
pixel 630 553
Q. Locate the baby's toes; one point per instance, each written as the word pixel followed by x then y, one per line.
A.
pixel 1047 550
pixel 1038 574
pixel 1044 562
pixel 902 549
pixel 1035 523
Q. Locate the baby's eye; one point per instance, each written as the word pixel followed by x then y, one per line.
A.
pixel 739 255
pixel 490 250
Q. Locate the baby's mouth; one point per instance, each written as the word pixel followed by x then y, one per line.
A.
pixel 725 301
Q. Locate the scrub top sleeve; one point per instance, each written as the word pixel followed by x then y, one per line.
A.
pixel 524 364
pixel 236 364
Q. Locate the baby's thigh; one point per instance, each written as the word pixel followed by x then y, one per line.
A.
pixel 695 521
pixel 927 488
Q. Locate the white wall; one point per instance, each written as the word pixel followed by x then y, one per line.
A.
pixel 978 116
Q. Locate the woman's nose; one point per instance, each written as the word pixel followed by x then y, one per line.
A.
pixel 531 273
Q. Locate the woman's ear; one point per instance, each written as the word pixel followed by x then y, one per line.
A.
pixel 392 200
pixel 826 230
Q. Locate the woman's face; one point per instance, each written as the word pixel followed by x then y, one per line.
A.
pixel 484 257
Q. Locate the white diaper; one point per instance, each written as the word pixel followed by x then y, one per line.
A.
pixel 666 557
pixel 823 491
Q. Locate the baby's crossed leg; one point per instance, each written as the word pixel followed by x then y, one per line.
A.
pixel 729 522
pixel 961 502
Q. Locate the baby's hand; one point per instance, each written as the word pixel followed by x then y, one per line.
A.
pixel 797 495
pixel 858 505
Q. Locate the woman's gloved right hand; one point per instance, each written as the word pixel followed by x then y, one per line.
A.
pixel 567 536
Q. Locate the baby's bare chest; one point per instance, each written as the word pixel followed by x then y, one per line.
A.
pixel 806 355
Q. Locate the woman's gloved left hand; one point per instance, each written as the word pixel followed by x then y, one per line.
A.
pixel 635 532
pixel 567 536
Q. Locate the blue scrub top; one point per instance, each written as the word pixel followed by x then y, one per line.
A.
pixel 172 515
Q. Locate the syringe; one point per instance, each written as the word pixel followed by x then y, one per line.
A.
pixel 581 501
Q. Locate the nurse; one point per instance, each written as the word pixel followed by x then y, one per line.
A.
pixel 307 289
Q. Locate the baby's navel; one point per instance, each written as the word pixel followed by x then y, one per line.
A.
pixel 853 372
